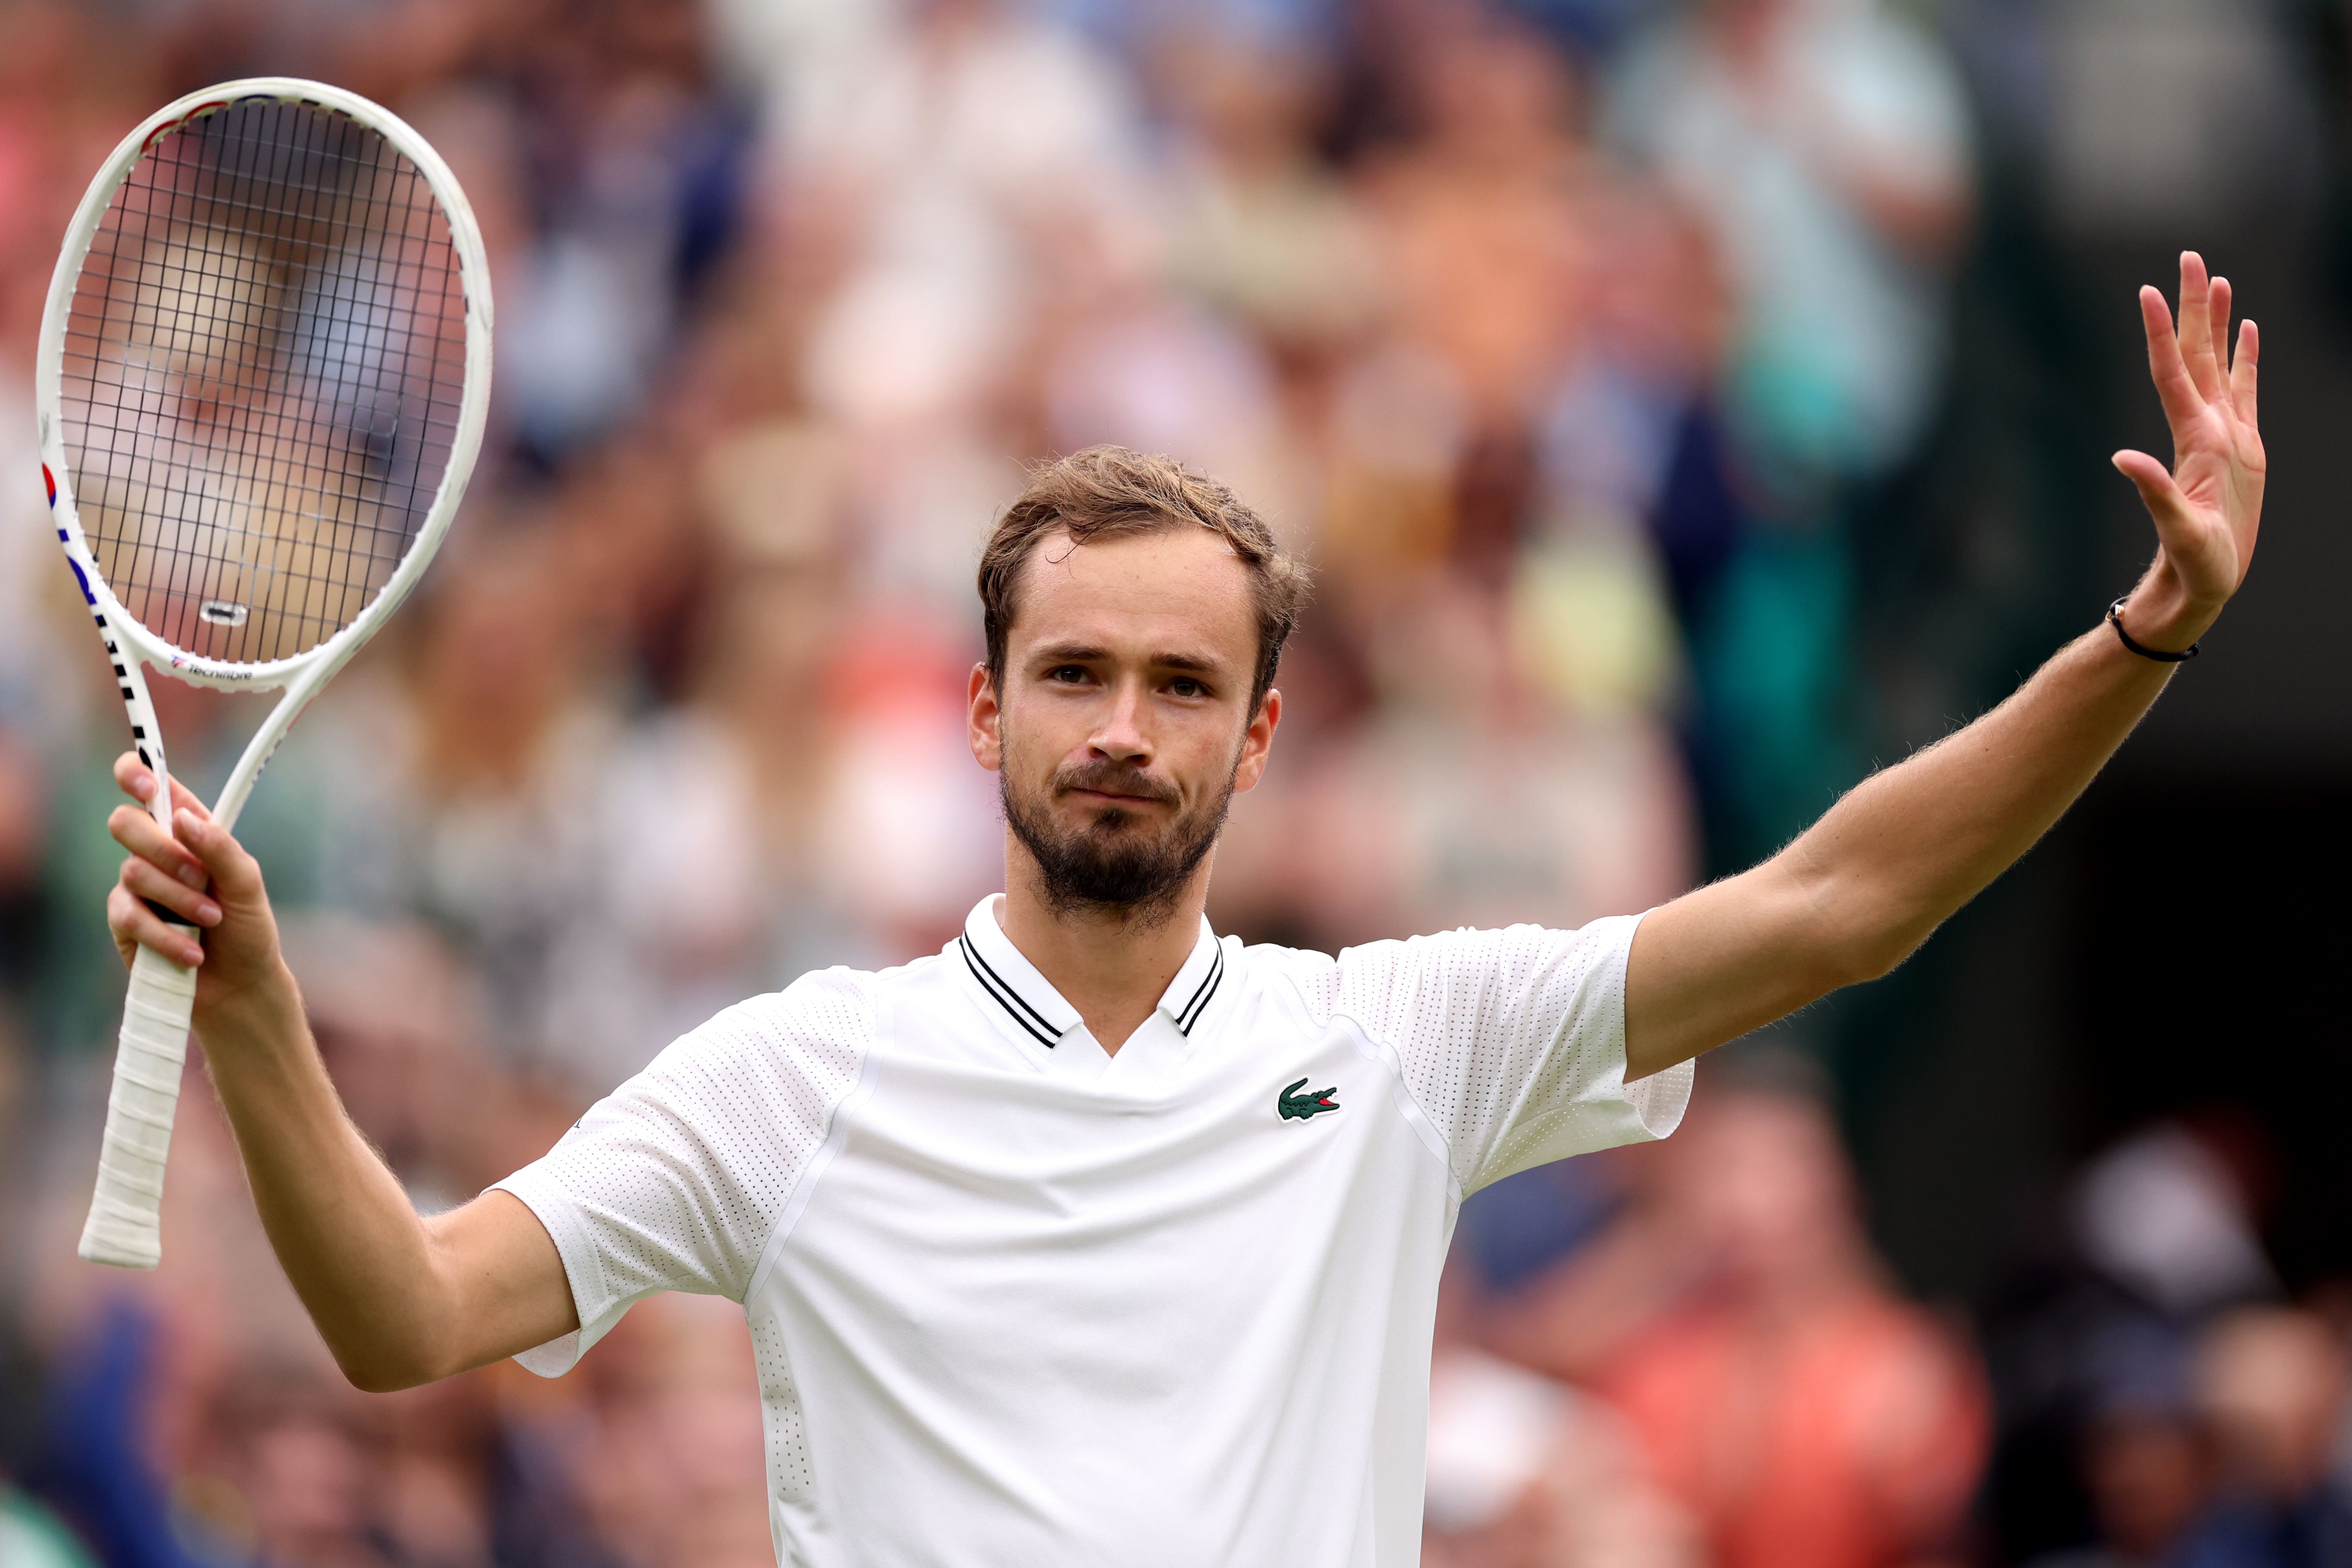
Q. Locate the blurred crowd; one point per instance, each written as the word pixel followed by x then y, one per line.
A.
pixel 1591 350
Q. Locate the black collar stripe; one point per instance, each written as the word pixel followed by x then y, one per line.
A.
pixel 1003 986
pixel 1206 981
pixel 1206 994
pixel 1007 997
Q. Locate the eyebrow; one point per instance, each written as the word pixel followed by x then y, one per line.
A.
pixel 1089 653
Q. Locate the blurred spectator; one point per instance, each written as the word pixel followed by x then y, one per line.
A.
pixel 2146 1453
pixel 2163 1215
pixel 1827 144
pixel 2092 1344
pixel 2237 130
pixel 949 153
pixel 31 1537
pixel 669 1463
pixel 634 161
pixel 2149 1475
pixel 2229 1464
pixel 2272 1382
pixel 1481 220
pixel 1263 231
pixel 1524 1473
pixel 1469 802
pixel 1740 1323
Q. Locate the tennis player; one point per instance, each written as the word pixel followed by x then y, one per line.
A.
pixel 1096 1237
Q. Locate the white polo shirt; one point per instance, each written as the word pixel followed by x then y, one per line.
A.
pixel 1018 1301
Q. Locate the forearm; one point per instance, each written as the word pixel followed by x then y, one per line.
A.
pixel 350 1242
pixel 1908 848
pixel 1891 861
pixel 1867 883
pixel 398 1299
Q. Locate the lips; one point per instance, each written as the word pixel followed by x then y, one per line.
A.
pixel 1115 790
pixel 1115 797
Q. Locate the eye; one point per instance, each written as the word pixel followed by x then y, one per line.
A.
pixel 1185 685
pixel 1068 674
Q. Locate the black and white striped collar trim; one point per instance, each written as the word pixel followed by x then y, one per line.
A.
pixel 1030 1001
pixel 1011 980
pixel 1195 1002
pixel 1028 1017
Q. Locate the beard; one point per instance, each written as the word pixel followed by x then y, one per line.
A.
pixel 1115 864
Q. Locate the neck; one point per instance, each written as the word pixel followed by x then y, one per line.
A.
pixel 1113 966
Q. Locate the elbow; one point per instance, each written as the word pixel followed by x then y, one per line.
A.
pixel 375 1380
pixel 1876 954
pixel 1853 946
pixel 388 1369
pixel 379 1375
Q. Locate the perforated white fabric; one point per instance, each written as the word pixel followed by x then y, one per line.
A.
pixel 986 1263
pixel 1512 1041
pixel 674 1181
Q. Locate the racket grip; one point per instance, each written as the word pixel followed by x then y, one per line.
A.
pixel 126 1212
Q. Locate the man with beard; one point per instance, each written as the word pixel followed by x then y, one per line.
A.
pixel 1097 1238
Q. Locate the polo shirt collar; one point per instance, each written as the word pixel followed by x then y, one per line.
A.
pixel 1012 982
pixel 1029 1001
pixel 1197 983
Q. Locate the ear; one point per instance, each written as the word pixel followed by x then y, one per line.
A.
pixel 984 721
pixel 1257 741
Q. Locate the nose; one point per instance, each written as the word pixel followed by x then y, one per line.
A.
pixel 1120 735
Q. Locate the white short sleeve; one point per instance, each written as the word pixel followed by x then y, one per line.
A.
pixel 674 1181
pixel 1513 1041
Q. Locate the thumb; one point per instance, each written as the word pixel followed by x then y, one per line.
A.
pixel 2166 505
pixel 236 875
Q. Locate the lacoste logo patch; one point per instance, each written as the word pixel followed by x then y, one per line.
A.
pixel 1312 1102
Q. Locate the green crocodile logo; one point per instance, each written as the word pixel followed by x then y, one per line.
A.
pixel 1312 1102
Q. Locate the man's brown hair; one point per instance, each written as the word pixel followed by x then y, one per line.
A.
pixel 1105 491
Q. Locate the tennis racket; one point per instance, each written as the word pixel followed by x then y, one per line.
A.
pixel 262 379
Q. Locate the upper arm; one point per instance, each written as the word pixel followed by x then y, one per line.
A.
pixel 504 1278
pixel 1726 958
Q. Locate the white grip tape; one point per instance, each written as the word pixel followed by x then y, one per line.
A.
pixel 125 1226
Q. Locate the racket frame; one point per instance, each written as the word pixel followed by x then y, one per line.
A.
pixel 123 1223
pixel 130 644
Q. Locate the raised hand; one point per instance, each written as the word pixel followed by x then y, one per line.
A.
pixel 2208 507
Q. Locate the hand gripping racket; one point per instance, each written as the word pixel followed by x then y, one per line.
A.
pixel 263 374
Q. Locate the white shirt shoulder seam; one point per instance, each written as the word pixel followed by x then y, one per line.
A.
pixel 835 1134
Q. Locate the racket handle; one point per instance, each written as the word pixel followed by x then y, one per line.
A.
pixel 126 1213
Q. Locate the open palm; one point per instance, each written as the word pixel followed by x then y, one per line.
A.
pixel 2208 507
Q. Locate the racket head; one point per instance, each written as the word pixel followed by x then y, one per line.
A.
pixel 263 377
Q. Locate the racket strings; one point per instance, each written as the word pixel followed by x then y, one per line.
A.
pixel 264 365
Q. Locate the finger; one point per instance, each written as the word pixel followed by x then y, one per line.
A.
pixel 133 921
pixel 236 875
pixel 154 886
pixel 2166 367
pixel 2218 325
pixel 2197 326
pixel 144 836
pixel 2242 370
pixel 2175 524
pixel 138 781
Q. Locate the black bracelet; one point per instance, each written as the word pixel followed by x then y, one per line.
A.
pixel 2115 619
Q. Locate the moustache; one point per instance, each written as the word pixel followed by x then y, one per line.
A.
pixel 1113 778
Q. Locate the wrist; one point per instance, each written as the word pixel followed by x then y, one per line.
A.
pixel 254 1019
pixel 2159 615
